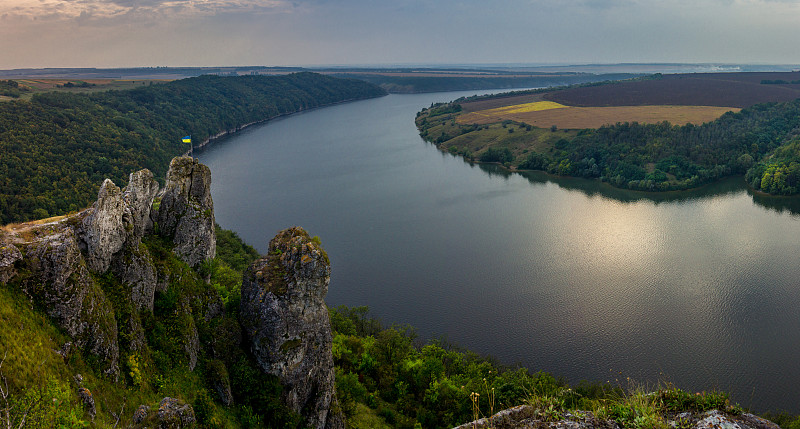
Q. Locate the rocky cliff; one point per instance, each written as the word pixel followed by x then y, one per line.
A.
pixel 116 279
pixel 57 263
pixel 284 314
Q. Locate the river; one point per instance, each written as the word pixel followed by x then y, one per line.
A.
pixel 700 289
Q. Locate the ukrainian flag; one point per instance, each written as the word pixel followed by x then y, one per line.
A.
pixel 187 139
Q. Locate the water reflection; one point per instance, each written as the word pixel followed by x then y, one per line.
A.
pixel 728 186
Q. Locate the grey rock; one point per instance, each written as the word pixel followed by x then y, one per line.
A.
pixel 220 380
pixel 62 284
pixel 716 419
pixel 283 312
pixel 140 414
pixel 9 254
pixel 135 333
pixel 138 196
pixel 175 414
pixel 525 417
pixel 88 401
pixel 186 211
pixel 192 343
pixel 134 267
pixel 102 231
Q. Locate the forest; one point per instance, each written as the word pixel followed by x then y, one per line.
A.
pixel 761 141
pixel 58 147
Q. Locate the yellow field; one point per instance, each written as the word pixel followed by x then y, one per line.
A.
pixel 546 114
pixel 536 106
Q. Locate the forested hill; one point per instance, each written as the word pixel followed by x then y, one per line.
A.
pixel 57 148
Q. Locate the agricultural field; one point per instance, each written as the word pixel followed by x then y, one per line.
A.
pixel 545 114
pixel 679 99
pixel 659 133
pixel 698 89
pixel 36 85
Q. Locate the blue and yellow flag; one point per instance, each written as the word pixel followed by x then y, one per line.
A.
pixel 187 139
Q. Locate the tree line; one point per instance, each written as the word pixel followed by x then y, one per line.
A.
pixel 760 141
pixel 58 147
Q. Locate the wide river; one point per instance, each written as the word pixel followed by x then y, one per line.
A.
pixel 700 289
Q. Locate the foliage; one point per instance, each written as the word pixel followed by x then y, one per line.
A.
pixel 779 174
pixel 759 141
pixel 501 155
pixel 11 88
pixel 58 147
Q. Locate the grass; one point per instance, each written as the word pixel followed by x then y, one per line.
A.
pixel 366 418
pixel 635 406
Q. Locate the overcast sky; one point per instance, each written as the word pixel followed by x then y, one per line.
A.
pixel 121 33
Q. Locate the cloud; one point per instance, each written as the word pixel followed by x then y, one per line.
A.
pixel 103 9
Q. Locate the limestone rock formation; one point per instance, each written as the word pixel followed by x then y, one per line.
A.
pixel 63 285
pixel 134 267
pixel 186 211
pixel 283 312
pixel 174 414
pixel 103 231
pixel 138 196
pixel 9 254
pixel 526 417
pixel 65 259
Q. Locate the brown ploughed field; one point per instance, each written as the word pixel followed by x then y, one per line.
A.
pixel 697 89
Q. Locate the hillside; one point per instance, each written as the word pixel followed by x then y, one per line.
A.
pixel 58 147
pixel 662 133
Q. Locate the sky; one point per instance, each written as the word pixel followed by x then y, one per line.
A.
pixel 148 33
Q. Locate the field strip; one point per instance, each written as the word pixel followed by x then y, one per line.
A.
pixel 536 106
pixel 594 117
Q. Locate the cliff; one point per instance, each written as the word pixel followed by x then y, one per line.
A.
pixel 143 310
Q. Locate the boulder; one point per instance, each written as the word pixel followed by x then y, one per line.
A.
pixel 283 312
pixel 186 212
pixel 140 414
pixel 218 376
pixel 526 417
pixel 88 401
pixel 174 414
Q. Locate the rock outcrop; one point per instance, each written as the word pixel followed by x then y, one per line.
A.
pixel 65 260
pixel 9 254
pixel 283 312
pixel 86 397
pixel 186 211
pixel 138 195
pixel 103 232
pixel 61 282
pixel 526 417
pixel 174 414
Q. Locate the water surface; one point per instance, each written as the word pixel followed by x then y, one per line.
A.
pixel 564 275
